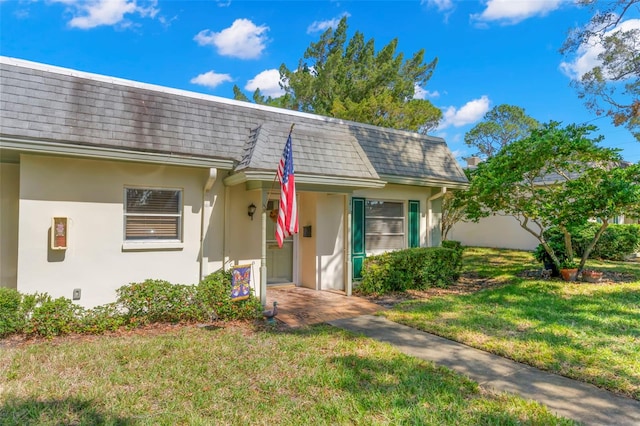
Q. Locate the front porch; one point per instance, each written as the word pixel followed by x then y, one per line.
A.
pixel 299 306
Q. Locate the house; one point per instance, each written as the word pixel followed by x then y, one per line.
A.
pixel 504 231
pixel 106 182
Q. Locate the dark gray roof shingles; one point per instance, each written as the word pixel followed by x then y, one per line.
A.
pixel 46 103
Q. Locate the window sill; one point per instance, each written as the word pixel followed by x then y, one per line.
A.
pixel 152 245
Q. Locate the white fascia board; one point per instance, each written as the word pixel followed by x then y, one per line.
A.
pixel 85 151
pixel 302 179
pixel 400 180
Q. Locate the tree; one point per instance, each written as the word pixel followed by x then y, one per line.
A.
pixel 500 126
pixel 349 80
pixel 453 210
pixel 555 177
pixel 612 86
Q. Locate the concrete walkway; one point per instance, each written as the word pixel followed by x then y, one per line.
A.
pixel 567 398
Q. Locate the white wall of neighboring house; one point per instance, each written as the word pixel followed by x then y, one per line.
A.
pixel 9 192
pixel 90 193
pixel 494 231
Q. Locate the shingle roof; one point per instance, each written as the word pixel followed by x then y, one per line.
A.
pixel 40 102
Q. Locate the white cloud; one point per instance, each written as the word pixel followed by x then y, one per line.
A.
pixel 587 55
pixel 211 79
pixel 420 93
pixel 243 39
pixel 268 83
pixel 469 113
pixel 320 26
pixel 512 12
pixel 94 13
pixel 441 5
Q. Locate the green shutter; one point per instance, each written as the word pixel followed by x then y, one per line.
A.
pixel 357 236
pixel 414 223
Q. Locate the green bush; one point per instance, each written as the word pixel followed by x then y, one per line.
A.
pixel 441 267
pixel 616 243
pixel 101 319
pixel 214 295
pixel 11 319
pixel 154 301
pixel 458 248
pixel 414 268
pixel 54 317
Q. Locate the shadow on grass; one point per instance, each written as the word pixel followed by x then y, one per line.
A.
pixel 75 411
pixel 422 393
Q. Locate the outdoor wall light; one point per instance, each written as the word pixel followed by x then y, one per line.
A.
pixel 251 210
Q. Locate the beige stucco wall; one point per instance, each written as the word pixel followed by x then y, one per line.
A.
pixel 494 231
pixel 9 192
pixel 330 262
pixel 90 193
pixel 307 216
pixel 243 241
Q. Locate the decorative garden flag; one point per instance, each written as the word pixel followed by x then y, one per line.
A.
pixel 288 212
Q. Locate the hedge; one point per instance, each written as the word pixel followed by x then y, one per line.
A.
pixel 414 268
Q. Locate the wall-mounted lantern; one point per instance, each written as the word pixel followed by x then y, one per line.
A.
pixel 251 210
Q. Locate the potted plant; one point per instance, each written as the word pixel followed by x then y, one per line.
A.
pixel 569 270
pixel 591 276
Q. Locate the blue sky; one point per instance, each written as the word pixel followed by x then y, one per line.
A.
pixel 490 52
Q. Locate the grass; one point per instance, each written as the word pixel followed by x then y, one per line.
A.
pixel 589 332
pixel 242 375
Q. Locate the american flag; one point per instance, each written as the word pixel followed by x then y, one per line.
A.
pixel 288 212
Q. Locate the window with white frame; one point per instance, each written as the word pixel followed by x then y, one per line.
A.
pixel 152 214
pixel 384 225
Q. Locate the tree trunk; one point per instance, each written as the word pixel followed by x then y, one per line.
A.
pixel 592 244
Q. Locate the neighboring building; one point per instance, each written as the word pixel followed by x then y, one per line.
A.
pixel 504 231
pixel 106 182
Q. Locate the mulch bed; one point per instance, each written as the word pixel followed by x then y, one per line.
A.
pixel 472 282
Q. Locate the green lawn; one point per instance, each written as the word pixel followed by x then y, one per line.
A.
pixel 590 332
pixel 239 375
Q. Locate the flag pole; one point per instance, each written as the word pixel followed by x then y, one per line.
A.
pixel 264 207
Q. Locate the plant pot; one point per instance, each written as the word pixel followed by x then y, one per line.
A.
pixel 591 276
pixel 569 274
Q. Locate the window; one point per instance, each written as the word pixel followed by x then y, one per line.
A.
pixel 152 214
pixel 384 225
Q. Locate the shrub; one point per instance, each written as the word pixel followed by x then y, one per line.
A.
pixel 54 317
pixel 415 268
pixel 155 301
pixel 441 267
pixel 214 295
pixel 101 319
pixel 381 275
pixel 616 243
pixel 11 319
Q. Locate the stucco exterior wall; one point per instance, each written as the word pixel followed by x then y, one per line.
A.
pixel 9 193
pixel 90 193
pixel 330 242
pixel 494 231
pixel 243 235
pixel 307 216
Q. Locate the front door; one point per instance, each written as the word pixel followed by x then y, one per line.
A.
pixel 279 260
